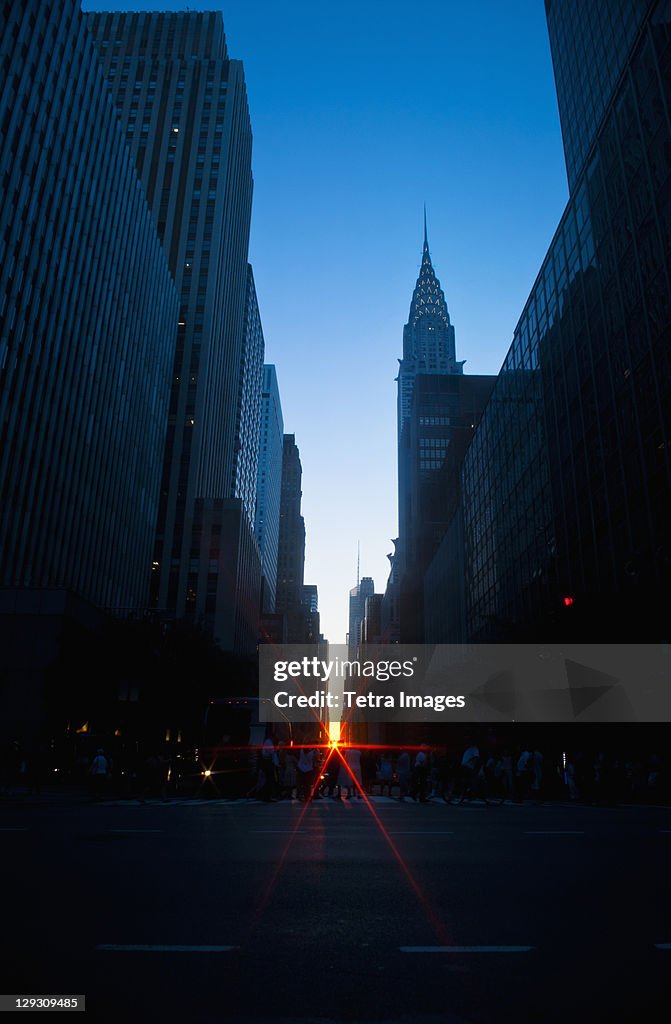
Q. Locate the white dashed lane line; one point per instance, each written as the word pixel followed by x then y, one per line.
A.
pixel 111 948
pixel 466 949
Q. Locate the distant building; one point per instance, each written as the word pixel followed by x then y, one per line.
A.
pixel 357 606
pixel 226 575
pixel 443 417
pixel 291 546
pixel 428 336
pixel 438 410
pixel 311 613
pixel 371 624
pixel 248 424
pixel 269 486
pixel 182 104
pixel 390 610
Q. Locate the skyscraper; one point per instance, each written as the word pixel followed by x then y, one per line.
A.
pixel 428 349
pixel 428 336
pixel 590 42
pixel 291 544
pixel 357 608
pixel 88 319
pixel 567 483
pixel 183 107
pixel 269 485
pixel 311 613
pixel 88 315
pixel 438 409
pixel 248 423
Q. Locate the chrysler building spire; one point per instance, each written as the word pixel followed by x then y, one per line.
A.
pixel 428 337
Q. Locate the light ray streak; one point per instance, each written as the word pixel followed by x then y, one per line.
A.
pixel 435 922
pixel 265 899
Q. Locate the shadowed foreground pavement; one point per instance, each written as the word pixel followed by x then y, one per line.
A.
pixel 335 922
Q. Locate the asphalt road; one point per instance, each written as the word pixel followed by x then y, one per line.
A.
pixel 204 912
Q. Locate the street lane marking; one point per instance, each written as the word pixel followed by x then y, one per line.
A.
pixel 413 833
pixel 555 832
pixel 465 949
pixel 278 831
pixel 165 949
pixel 134 830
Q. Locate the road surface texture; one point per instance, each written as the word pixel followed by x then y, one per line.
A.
pixel 339 911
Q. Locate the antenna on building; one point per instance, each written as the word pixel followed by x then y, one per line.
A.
pixel 358 559
pixel 426 240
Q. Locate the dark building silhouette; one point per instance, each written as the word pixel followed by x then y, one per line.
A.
pixel 444 413
pixel 182 103
pixel 291 546
pixel 311 613
pixel 567 483
pixel 390 610
pixel 88 324
pixel 357 609
pixel 269 486
pixel 438 409
pixel 591 41
pixel 88 315
pixel 371 625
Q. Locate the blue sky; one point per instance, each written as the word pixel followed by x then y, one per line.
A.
pixel 361 112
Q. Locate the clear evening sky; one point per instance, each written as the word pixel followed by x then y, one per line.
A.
pixel 361 112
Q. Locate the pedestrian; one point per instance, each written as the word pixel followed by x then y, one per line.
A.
pixel 420 775
pixel 505 770
pixel 269 766
pixel 403 773
pixel 386 772
pixel 353 759
pixel 523 775
pixel 368 770
pixel 306 771
pixel 470 764
pixel 289 774
pixel 99 772
pixel 344 779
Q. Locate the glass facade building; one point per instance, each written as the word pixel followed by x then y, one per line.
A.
pixel 567 483
pixel 590 42
pixel 88 319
